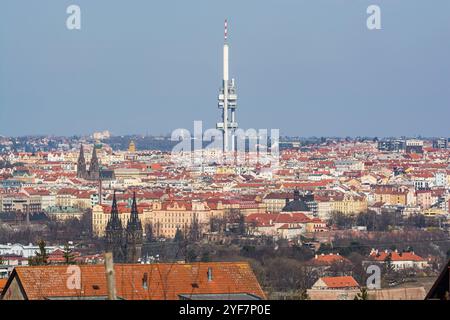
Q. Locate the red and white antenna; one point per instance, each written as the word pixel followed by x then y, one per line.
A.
pixel 226 30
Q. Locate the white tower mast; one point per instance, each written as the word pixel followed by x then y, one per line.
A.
pixel 227 99
pixel 225 89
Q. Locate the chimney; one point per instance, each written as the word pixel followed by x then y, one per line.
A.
pixel 210 275
pixel 145 281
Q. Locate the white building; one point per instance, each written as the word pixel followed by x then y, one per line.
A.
pixel 399 260
pixel 25 251
pixel 440 179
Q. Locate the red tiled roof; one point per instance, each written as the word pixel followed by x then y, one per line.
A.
pixel 307 185
pixel 2 284
pixel 340 282
pixel 164 281
pixel 33 191
pixel 176 204
pixel 279 195
pixel 328 259
pixel 67 191
pixel 396 256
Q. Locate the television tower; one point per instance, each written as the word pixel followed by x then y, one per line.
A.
pixel 227 101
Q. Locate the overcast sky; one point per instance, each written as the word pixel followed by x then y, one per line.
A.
pixel 306 67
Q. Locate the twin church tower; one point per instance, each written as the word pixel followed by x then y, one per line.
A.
pixel 94 168
pixel 124 242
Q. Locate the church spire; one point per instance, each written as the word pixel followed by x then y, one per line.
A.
pixel 114 222
pixel 94 154
pixel 81 156
pixel 114 233
pixel 81 164
pixel 94 168
pixel 134 222
pixel 114 209
pixel 134 234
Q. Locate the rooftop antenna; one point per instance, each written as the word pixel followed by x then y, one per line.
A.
pixel 226 31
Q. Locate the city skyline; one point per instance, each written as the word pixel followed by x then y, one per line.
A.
pixel 205 153
pixel 132 70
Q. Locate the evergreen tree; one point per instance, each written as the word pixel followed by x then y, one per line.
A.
pixel 178 236
pixel 194 231
pixel 149 232
pixel 40 257
pixel 242 229
pixel 68 255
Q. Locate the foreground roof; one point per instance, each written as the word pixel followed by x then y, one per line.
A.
pixel 2 284
pixel 165 281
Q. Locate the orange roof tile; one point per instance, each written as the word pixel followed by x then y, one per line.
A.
pixel 2 284
pixel 328 259
pixel 165 281
pixel 396 256
pixel 340 282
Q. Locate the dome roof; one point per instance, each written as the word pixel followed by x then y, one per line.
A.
pixel 296 205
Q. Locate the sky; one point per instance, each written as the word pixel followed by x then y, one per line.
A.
pixel 305 67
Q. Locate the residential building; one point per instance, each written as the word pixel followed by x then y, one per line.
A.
pixel 334 288
pixel 398 260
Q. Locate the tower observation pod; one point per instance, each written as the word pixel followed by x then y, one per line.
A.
pixel 227 101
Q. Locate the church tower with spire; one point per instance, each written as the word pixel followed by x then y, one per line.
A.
pixel 134 234
pixel 124 243
pixel 81 165
pixel 94 167
pixel 114 234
